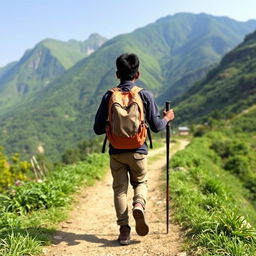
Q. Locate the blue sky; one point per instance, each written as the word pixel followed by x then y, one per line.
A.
pixel 23 23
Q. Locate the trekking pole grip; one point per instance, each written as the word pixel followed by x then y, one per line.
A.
pixel 167 108
pixel 167 105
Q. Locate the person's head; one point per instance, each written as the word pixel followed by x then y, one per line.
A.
pixel 127 67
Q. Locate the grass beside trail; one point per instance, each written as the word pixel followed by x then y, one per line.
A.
pixel 29 213
pixel 212 204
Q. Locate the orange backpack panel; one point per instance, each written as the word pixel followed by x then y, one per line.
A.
pixel 126 127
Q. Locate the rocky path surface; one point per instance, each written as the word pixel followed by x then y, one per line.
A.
pixel 91 229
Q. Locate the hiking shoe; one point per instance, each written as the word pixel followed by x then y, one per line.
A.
pixel 141 226
pixel 124 236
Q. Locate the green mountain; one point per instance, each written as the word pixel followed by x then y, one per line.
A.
pixel 183 84
pixel 70 52
pixel 172 49
pixel 207 39
pixel 41 65
pixel 227 89
pixel 245 121
pixel 5 69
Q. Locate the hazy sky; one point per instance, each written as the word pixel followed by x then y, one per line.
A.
pixel 23 23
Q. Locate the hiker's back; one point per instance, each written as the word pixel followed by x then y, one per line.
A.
pixel 126 128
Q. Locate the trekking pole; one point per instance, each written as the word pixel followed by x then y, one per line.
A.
pixel 167 108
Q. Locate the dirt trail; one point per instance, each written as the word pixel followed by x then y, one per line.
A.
pixel 91 229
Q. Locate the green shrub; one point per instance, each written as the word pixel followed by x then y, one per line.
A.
pixel 201 131
pixel 19 245
pixel 226 147
pixel 8 220
pixel 33 196
pixel 55 190
pixel 82 150
pixel 238 165
pixel 251 184
pixel 13 171
pixel 211 186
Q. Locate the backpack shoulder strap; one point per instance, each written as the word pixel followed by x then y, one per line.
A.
pixel 115 89
pixel 136 89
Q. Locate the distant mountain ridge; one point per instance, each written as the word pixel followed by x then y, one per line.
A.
pixel 68 53
pixel 208 39
pixel 41 65
pixel 228 89
pixel 6 68
pixel 183 84
pixel 174 52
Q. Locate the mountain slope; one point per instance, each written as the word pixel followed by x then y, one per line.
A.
pixel 208 38
pixel 63 113
pixel 6 68
pixel 183 84
pixel 68 53
pixel 229 88
pixel 41 65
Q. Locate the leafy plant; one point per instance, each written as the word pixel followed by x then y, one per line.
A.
pixel 11 172
pixel 55 190
pixel 18 245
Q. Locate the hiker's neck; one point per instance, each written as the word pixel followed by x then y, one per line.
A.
pixel 136 77
pixel 127 81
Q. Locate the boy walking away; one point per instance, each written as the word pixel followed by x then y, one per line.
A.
pixel 124 114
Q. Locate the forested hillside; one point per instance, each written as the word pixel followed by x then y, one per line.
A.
pixel 6 68
pixel 41 65
pixel 174 52
pixel 227 89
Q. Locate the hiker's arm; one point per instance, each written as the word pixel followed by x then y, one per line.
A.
pixel 101 115
pixel 156 123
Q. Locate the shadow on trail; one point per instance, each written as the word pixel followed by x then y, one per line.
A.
pixel 72 239
pixel 46 236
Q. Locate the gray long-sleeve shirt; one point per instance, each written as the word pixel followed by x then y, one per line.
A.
pixel 152 115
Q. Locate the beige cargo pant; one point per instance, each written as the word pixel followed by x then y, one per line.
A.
pixel 125 167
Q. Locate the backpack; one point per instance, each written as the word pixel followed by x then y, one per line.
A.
pixel 126 127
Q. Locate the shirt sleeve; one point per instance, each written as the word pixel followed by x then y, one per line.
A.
pixel 156 123
pixel 102 115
